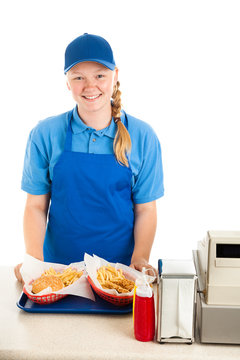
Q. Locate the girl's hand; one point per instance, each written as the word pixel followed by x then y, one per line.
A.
pixel 138 264
pixel 18 274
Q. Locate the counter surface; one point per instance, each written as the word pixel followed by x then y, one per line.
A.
pixel 82 336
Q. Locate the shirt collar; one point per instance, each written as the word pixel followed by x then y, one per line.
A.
pixel 78 125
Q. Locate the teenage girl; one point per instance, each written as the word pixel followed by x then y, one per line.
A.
pixel 93 174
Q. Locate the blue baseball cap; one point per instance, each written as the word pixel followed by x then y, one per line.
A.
pixel 88 47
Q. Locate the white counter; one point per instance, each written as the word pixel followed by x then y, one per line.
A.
pixel 68 336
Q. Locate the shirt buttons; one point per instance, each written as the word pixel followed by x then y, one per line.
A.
pixel 93 139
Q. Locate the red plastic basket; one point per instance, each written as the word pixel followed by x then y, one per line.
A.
pixel 44 299
pixel 114 299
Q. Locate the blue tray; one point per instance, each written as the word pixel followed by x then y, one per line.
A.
pixel 73 305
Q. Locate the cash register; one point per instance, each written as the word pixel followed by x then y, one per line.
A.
pixel 217 263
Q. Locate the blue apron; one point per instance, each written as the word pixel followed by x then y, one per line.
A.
pixel 91 207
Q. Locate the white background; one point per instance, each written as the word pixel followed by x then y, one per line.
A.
pixel 179 71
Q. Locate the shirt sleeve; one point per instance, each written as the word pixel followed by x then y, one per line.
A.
pixel 149 181
pixel 35 177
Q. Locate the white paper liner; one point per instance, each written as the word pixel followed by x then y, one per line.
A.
pixel 33 268
pixel 93 263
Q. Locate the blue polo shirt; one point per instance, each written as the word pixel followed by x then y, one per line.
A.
pixel 46 143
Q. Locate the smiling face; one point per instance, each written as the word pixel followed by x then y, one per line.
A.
pixel 92 85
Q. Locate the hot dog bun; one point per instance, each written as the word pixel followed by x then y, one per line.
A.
pixel 45 281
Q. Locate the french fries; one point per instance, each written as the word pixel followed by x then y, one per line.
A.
pixel 111 278
pixel 68 276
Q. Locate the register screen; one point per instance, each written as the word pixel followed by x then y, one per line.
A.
pixel 228 251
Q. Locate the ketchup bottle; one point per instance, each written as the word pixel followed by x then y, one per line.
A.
pixel 143 311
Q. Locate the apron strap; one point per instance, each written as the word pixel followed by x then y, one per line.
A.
pixel 68 141
pixel 126 126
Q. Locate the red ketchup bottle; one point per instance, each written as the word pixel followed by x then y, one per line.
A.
pixel 143 311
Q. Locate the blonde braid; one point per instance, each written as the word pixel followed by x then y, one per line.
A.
pixel 122 141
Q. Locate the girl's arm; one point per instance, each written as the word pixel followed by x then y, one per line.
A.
pixel 144 233
pixel 34 226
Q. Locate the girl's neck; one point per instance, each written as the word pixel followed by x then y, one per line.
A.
pixel 97 120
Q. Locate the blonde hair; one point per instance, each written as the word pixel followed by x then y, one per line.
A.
pixel 122 141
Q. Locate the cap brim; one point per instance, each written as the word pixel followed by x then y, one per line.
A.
pixel 104 63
